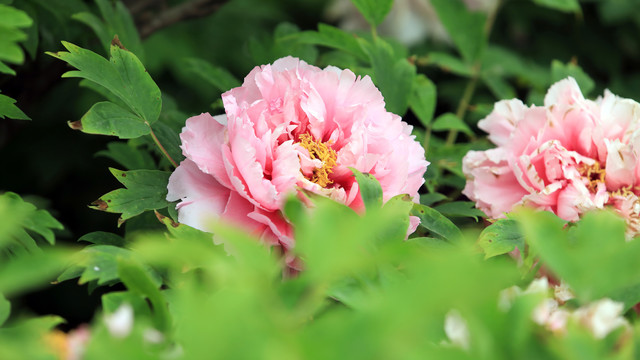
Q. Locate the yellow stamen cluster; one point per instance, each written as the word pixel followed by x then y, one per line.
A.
pixel 594 175
pixel 321 151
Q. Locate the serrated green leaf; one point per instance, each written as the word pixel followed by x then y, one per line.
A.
pixel 465 27
pixel 423 99
pixel 130 157
pixel 370 189
pixel 145 190
pixel 22 221
pixel 219 77
pixel 373 10
pixel 5 309
pixel 449 121
pixel 138 280
pixel 460 209
pixel 333 37
pixel 560 5
pixel 560 71
pixel 435 222
pixel 106 118
pixel 123 75
pixel 501 237
pixel 9 110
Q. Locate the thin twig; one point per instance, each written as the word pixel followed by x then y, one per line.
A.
pixel 162 149
pixel 188 10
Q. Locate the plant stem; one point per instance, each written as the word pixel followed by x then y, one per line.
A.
pixel 162 149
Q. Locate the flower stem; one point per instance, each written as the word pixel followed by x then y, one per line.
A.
pixel 162 149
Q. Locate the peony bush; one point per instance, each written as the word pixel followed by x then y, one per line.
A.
pixel 446 179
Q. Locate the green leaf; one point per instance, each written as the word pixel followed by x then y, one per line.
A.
pixel 333 37
pixel 219 77
pixel 129 156
pixel 113 300
pixel 11 17
pixel 593 257
pixel 435 222
pixel 449 121
pixel 106 118
pixel 460 209
pixel 423 99
pixel 103 238
pixel 450 63
pixel 373 10
pixel 96 263
pixel 7 109
pixel 5 309
pixel 145 190
pixel 499 87
pixel 465 27
pixel 501 237
pixel 21 221
pixel 370 189
pixel 431 198
pixel 560 71
pixel 392 74
pixel 138 280
pixel 124 76
pixel 29 271
pixel 560 5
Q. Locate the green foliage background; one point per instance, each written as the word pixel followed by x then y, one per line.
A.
pixel 365 292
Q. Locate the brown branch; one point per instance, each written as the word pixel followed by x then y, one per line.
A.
pixel 188 10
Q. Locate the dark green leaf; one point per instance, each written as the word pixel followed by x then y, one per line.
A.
pixel 219 77
pixel 127 155
pixel 501 237
pixel 333 37
pixel 465 27
pixel 423 99
pixel 103 238
pixel 450 63
pixel 460 209
pixel 560 71
pixel 29 271
pixel 560 5
pixel 113 300
pixel 145 190
pixel 8 109
pixel 435 222
pixel 5 309
pixel 370 189
pixel 373 10
pixel 429 199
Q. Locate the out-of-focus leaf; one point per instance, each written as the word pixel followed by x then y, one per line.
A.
pixel 21 221
pixel 103 238
pixel 370 189
pixel 9 110
pixel 29 271
pixel 431 198
pixel 392 74
pixel 130 157
pixel 5 309
pixel 465 27
pixel 25 339
pixel 435 222
pixel 450 63
pixel 501 237
pixel 138 280
pixel 333 37
pixel 460 209
pixel 169 139
pixel 145 190
pixel 113 300
pixel 450 121
pixel 373 10
pixel 499 87
pixel 560 71
pixel 423 99
pixel 560 5
pixel 592 257
pixel 219 77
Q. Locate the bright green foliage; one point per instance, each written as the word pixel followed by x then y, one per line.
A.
pixel 145 190
pixel 11 21
pixel 9 110
pixel 561 5
pixel 592 256
pixel 370 189
pixel 465 27
pixel 501 237
pixel 22 223
pixel 373 10
pixel 5 309
pixel 125 77
pixel 27 340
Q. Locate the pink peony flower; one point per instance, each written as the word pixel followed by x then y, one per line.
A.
pixel 290 127
pixel 569 156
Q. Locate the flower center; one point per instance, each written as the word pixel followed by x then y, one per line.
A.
pixel 321 151
pixel 594 175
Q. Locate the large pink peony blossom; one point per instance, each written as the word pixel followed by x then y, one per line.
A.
pixel 569 156
pixel 291 126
